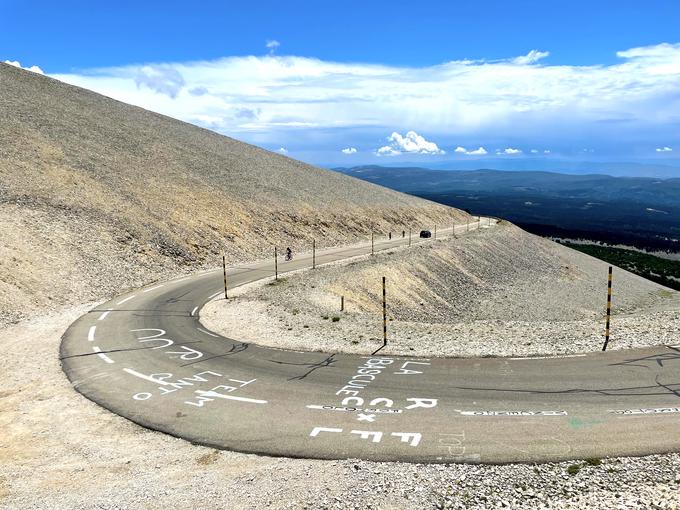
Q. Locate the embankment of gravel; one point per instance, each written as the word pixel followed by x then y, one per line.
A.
pixel 498 291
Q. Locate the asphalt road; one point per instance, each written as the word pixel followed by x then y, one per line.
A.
pixel 145 356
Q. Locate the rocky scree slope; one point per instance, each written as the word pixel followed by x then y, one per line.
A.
pixel 97 196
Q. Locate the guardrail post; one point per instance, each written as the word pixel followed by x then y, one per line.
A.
pixel 609 309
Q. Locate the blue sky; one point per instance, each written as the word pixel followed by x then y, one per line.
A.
pixel 380 82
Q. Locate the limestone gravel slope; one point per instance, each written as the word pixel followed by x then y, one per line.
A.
pixel 97 195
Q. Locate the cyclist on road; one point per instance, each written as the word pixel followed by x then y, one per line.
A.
pixel 289 254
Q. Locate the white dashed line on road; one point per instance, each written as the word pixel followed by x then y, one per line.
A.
pixel 125 300
pixel 101 354
pixel 153 288
pixel 103 316
pixel 145 377
pixel 193 312
pixel 90 333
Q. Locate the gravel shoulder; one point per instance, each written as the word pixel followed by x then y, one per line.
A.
pixel 58 450
pixel 499 291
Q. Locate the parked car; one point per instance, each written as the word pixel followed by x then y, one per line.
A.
pixel 425 234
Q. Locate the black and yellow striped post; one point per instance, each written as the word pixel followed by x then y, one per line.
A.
pixel 384 313
pixel 224 269
pixel 276 264
pixel 342 303
pixel 609 309
pixel 313 253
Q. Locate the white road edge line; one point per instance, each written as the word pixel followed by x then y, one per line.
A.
pixel 103 316
pixel 153 288
pixel 126 299
pixel 216 294
pixel 193 312
pixel 90 333
pixel 101 354
pixel 551 357
pixel 207 332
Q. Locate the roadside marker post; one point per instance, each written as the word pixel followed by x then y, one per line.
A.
pixel 276 265
pixel 609 309
pixel 409 237
pixel 372 247
pixel 435 232
pixel 313 253
pixel 384 312
pixel 224 269
pixel 342 303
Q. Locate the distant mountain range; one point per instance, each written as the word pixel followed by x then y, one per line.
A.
pixel 640 211
pixel 670 168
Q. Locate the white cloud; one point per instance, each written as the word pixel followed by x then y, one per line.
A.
pixel 547 151
pixel 664 149
pixel 531 58
pixel 16 63
pixel 411 143
pixel 272 45
pixel 512 151
pixel 534 151
pixel 283 150
pixel 484 99
pixel 164 80
pixel 476 152
pixel 349 150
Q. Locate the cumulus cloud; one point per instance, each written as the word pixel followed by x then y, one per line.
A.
pixel 664 149
pixel 411 143
pixel 476 152
pixel 531 58
pixel 162 79
pixel 283 150
pixel 349 150
pixel 272 45
pixel 534 151
pixel 486 99
pixel 512 151
pixel 16 63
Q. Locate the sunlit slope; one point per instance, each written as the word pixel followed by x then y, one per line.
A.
pixel 97 195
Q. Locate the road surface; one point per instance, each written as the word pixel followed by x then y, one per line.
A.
pixel 145 356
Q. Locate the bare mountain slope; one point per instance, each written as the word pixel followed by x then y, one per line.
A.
pixel 97 195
